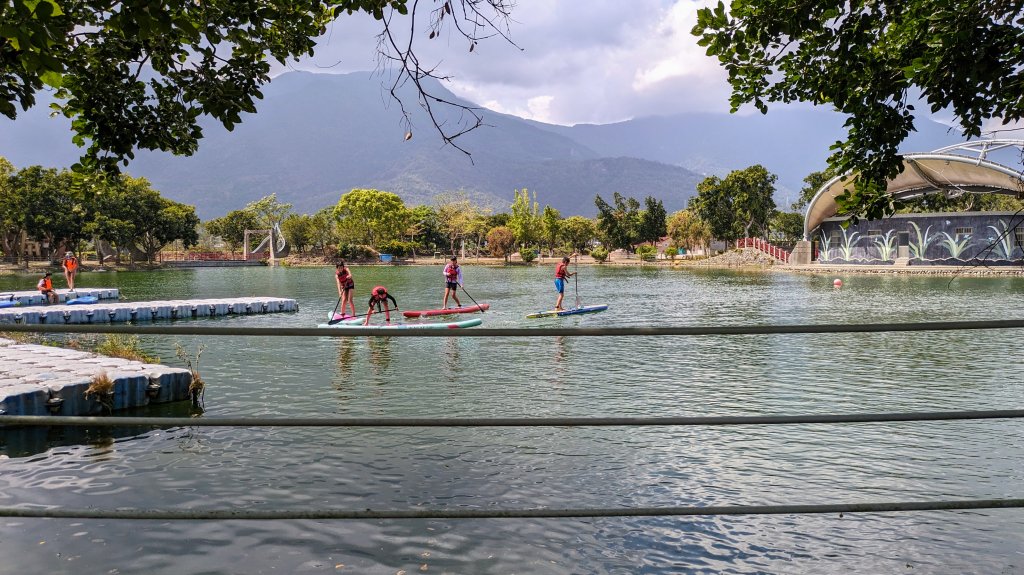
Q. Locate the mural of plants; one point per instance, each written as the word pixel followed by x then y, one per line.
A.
pixel 886 246
pixel 918 249
pixel 956 247
pixel 824 247
pixel 849 243
pixel 1003 242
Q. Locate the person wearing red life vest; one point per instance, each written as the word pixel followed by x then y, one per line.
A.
pixel 45 287
pixel 70 266
pixel 561 274
pixel 452 281
pixel 346 287
pixel 378 296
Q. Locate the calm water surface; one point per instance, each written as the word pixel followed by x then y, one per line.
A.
pixel 206 468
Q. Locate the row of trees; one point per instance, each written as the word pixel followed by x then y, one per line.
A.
pixel 366 221
pixel 61 210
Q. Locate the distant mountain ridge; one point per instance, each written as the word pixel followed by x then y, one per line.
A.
pixel 316 136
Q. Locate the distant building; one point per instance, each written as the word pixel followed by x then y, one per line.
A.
pixel 993 238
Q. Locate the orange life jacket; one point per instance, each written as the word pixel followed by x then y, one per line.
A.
pixel 46 284
pixel 71 264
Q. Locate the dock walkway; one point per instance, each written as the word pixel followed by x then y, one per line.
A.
pixel 46 380
pixel 33 297
pixel 145 310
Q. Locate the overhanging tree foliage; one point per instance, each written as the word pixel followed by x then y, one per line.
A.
pixel 870 59
pixel 140 74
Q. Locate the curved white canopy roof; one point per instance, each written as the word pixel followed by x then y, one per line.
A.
pixel 929 173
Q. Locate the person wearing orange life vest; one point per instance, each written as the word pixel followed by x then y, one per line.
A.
pixel 452 281
pixel 45 287
pixel 561 274
pixel 379 295
pixel 70 265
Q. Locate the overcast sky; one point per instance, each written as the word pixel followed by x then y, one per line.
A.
pixel 597 61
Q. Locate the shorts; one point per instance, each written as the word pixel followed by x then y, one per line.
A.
pixel 451 285
pixel 349 286
pixel 560 285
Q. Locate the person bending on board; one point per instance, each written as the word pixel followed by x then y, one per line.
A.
pixel 45 287
pixel 452 279
pixel 561 274
pixel 379 295
pixel 346 287
pixel 70 265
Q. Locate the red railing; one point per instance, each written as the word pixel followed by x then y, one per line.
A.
pixel 207 256
pixel 759 244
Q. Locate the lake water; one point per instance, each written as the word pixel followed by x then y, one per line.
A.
pixel 393 468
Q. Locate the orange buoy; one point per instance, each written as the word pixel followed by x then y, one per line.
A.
pixel 837 283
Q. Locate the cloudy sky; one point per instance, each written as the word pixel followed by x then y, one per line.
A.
pixel 598 61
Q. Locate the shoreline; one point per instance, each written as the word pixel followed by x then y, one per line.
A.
pixel 765 265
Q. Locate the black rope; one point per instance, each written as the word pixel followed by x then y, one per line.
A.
pixel 714 510
pixel 166 422
pixel 518 332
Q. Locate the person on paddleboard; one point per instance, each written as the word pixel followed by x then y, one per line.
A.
pixel 379 296
pixel 346 287
pixel 561 274
pixel 452 281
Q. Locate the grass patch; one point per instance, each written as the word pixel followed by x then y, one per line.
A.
pixel 124 346
pixel 103 388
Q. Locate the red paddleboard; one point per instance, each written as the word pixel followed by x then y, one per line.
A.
pixel 451 310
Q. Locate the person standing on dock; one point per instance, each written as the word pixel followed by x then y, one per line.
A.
pixel 378 296
pixel 561 274
pixel 70 266
pixel 346 287
pixel 452 280
pixel 45 287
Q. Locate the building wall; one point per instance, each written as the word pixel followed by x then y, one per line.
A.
pixel 995 238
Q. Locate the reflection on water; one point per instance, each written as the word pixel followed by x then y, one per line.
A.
pixel 481 468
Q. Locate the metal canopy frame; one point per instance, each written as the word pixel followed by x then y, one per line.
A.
pixel 952 170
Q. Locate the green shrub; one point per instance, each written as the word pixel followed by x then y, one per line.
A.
pixel 647 253
pixel 600 254
pixel 528 254
pixel 355 252
pixel 397 248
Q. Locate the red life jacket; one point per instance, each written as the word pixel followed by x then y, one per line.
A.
pixel 560 270
pixel 452 272
pixel 379 293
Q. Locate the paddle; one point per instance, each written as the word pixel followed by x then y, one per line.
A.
pixel 333 321
pixel 576 280
pixel 471 297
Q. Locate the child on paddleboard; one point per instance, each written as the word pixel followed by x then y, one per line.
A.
pixel 561 274
pixel 378 296
pixel 346 287
pixel 452 280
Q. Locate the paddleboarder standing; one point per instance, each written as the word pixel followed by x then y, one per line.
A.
pixel 561 274
pixel 346 287
pixel 452 280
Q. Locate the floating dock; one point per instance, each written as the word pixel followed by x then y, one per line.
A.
pixel 28 298
pixel 46 380
pixel 145 310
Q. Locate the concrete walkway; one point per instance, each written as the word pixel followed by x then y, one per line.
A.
pixel 145 310
pixel 33 297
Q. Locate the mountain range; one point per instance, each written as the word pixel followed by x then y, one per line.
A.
pixel 316 136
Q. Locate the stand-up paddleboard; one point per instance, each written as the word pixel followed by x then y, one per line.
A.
pixel 336 317
pixel 451 310
pixel 84 300
pixel 569 311
pixel 358 323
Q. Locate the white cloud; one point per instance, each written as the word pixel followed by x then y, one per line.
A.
pixel 595 62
